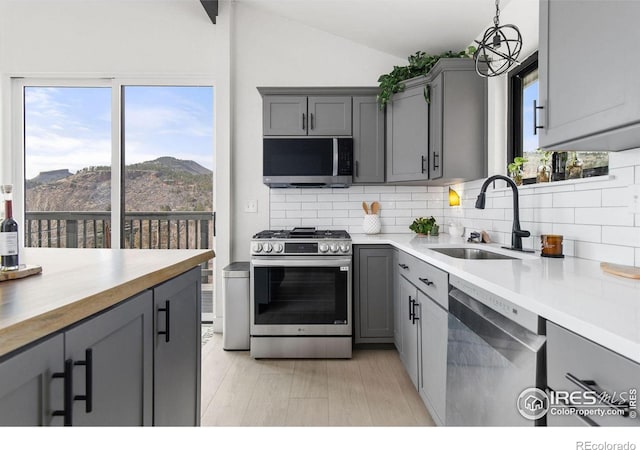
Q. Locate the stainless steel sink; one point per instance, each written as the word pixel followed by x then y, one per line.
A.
pixel 470 253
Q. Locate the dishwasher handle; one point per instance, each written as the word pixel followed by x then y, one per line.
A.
pixel 504 335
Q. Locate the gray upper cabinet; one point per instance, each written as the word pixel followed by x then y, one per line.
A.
pixel 374 291
pixel 457 122
pixel 589 102
pixel 299 115
pixel 444 138
pixel 32 385
pixel 284 115
pixel 368 140
pixel 407 134
pixel 177 351
pixel 112 358
pixel 329 116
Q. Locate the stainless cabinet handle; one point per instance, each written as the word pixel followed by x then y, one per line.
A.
pixel 426 281
pixel 592 387
pixel 304 121
pixel 311 121
pixel 422 161
pixel 436 165
pixel 536 127
pixel 415 317
pixel 404 266
pixel 411 303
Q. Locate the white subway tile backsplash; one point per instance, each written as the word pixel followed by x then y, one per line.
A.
pixel 317 205
pixel 589 233
pixel 396 197
pixel 411 189
pixel 604 216
pixel 333 197
pixel 578 199
pixel 396 213
pixel 615 196
pixel 316 222
pixel 435 204
pixel 625 158
pixel 627 236
pixel 366 197
pixel 426 196
pixel 275 206
pixel 301 214
pixel 435 188
pixel 554 215
pixel 379 189
pixel 604 252
pixel 618 177
pixel 534 201
pixel 285 223
pixel 334 213
pixel 278 214
pixel 417 204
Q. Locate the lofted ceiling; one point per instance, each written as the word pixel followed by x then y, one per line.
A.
pixel 397 27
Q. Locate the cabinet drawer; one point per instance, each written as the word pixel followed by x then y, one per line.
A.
pixel 572 357
pixel 429 279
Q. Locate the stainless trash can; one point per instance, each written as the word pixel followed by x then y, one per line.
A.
pixel 235 325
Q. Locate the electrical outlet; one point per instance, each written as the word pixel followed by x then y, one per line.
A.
pixel 634 199
pixel 251 206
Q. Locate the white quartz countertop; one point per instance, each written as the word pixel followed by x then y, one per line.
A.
pixel 571 292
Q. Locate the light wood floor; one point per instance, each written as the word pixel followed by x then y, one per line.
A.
pixel 371 389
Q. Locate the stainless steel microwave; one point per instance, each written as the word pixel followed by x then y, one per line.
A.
pixel 307 162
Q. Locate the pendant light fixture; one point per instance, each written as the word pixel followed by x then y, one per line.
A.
pixel 499 48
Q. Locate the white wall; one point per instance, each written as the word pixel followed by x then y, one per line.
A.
pixel 273 51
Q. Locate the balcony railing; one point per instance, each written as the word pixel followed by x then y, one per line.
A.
pixel 92 229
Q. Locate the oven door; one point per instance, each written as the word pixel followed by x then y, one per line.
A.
pixel 301 296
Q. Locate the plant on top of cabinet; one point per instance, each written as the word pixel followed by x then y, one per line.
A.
pixel 420 63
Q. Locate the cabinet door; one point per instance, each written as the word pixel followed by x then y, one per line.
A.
pixel 436 111
pixel 433 350
pixel 582 94
pixel 398 318
pixel 374 295
pixel 329 116
pixel 284 115
pixel 407 136
pixel 368 140
pixel 28 392
pixel 113 363
pixel 177 351
pixel 408 298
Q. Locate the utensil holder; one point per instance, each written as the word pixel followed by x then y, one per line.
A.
pixel 371 224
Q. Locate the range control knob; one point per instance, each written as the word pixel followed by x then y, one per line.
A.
pixel 277 247
pixel 324 248
pixel 257 247
pixel 344 248
pixel 334 248
pixel 267 248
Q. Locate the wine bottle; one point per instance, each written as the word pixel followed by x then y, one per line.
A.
pixel 8 234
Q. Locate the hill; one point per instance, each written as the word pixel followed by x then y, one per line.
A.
pixel 164 184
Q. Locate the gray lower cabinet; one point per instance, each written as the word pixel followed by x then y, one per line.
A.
pixel 176 362
pixel 368 140
pixel 373 293
pixel 112 356
pixel 433 353
pixel 32 386
pixel 410 329
pixel 589 105
pixel 408 133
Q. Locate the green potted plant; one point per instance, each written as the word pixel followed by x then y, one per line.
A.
pixel 425 226
pixel 515 169
pixel 543 174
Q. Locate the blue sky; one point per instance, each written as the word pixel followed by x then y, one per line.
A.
pixel 70 128
pixel 529 140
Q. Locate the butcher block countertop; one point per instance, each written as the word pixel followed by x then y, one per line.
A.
pixel 77 283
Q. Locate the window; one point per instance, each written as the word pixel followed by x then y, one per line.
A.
pixel 522 138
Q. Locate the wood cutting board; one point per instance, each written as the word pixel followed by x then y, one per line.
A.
pixel 620 270
pixel 25 270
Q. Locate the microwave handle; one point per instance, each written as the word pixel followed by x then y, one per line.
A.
pixel 335 157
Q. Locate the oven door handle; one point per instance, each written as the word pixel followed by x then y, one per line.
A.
pixel 319 262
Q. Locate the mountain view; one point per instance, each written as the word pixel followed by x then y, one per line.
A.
pixel 164 184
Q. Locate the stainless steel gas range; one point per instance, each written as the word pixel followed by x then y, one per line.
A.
pixel 301 294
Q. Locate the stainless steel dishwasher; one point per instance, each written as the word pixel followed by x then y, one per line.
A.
pixel 495 351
